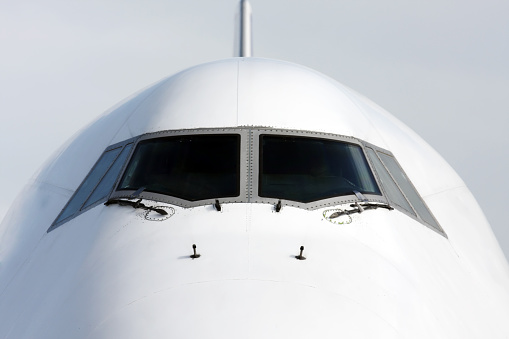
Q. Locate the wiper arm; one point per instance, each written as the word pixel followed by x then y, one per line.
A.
pixel 135 204
pixel 359 208
pixel 372 206
pixel 136 193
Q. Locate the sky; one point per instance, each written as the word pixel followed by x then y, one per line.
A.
pixel 441 67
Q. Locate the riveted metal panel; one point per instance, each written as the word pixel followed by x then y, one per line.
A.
pixel 250 173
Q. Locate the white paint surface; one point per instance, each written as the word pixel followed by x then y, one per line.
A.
pixel 442 67
pixel 110 273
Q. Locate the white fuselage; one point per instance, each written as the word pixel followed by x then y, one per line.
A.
pixel 112 272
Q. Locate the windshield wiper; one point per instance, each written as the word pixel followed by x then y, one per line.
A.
pixel 359 208
pixel 135 204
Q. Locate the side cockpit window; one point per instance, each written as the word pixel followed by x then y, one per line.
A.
pixel 391 189
pixel 307 169
pixel 409 190
pixel 400 191
pixel 189 167
pixel 97 185
pixel 103 189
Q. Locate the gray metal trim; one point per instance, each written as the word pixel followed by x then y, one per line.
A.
pixel 351 198
pixel 244 156
pixel 249 174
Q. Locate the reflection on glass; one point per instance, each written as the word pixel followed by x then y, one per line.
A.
pixel 96 174
pixel 408 189
pixel 392 190
pixel 106 185
pixel 308 169
pixel 191 167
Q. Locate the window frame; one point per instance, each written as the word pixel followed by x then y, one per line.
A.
pixel 255 135
pixel 179 201
pixel 249 174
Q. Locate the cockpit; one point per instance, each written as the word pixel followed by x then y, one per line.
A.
pixel 190 168
pixel 305 169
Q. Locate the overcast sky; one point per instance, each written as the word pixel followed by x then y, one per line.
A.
pixel 442 67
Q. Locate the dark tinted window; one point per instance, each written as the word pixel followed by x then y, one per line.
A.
pixel 308 169
pixel 191 167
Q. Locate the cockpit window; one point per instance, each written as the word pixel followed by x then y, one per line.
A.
pixel 399 189
pixel 307 169
pixel 106 185
pixel 303 169
pixel 391 189
pixel 190 167
pixel 409 190
pixel 98 184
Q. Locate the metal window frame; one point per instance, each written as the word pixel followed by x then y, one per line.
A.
pixel 242 197
pixel 250 172
pixel 256 133
pixel 249 169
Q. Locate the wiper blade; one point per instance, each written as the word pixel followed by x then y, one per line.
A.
pixel 359 208
pixel 135 204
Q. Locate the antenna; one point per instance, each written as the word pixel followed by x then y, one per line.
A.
pixel 243 40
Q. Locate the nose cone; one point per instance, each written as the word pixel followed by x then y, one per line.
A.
pixel 245 308
pixel 137 278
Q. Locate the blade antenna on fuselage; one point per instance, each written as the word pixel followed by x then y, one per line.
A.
pixel 243 42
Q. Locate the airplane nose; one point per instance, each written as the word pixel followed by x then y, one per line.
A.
pixel 128 276
pixel 245 309
pixel 247 281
